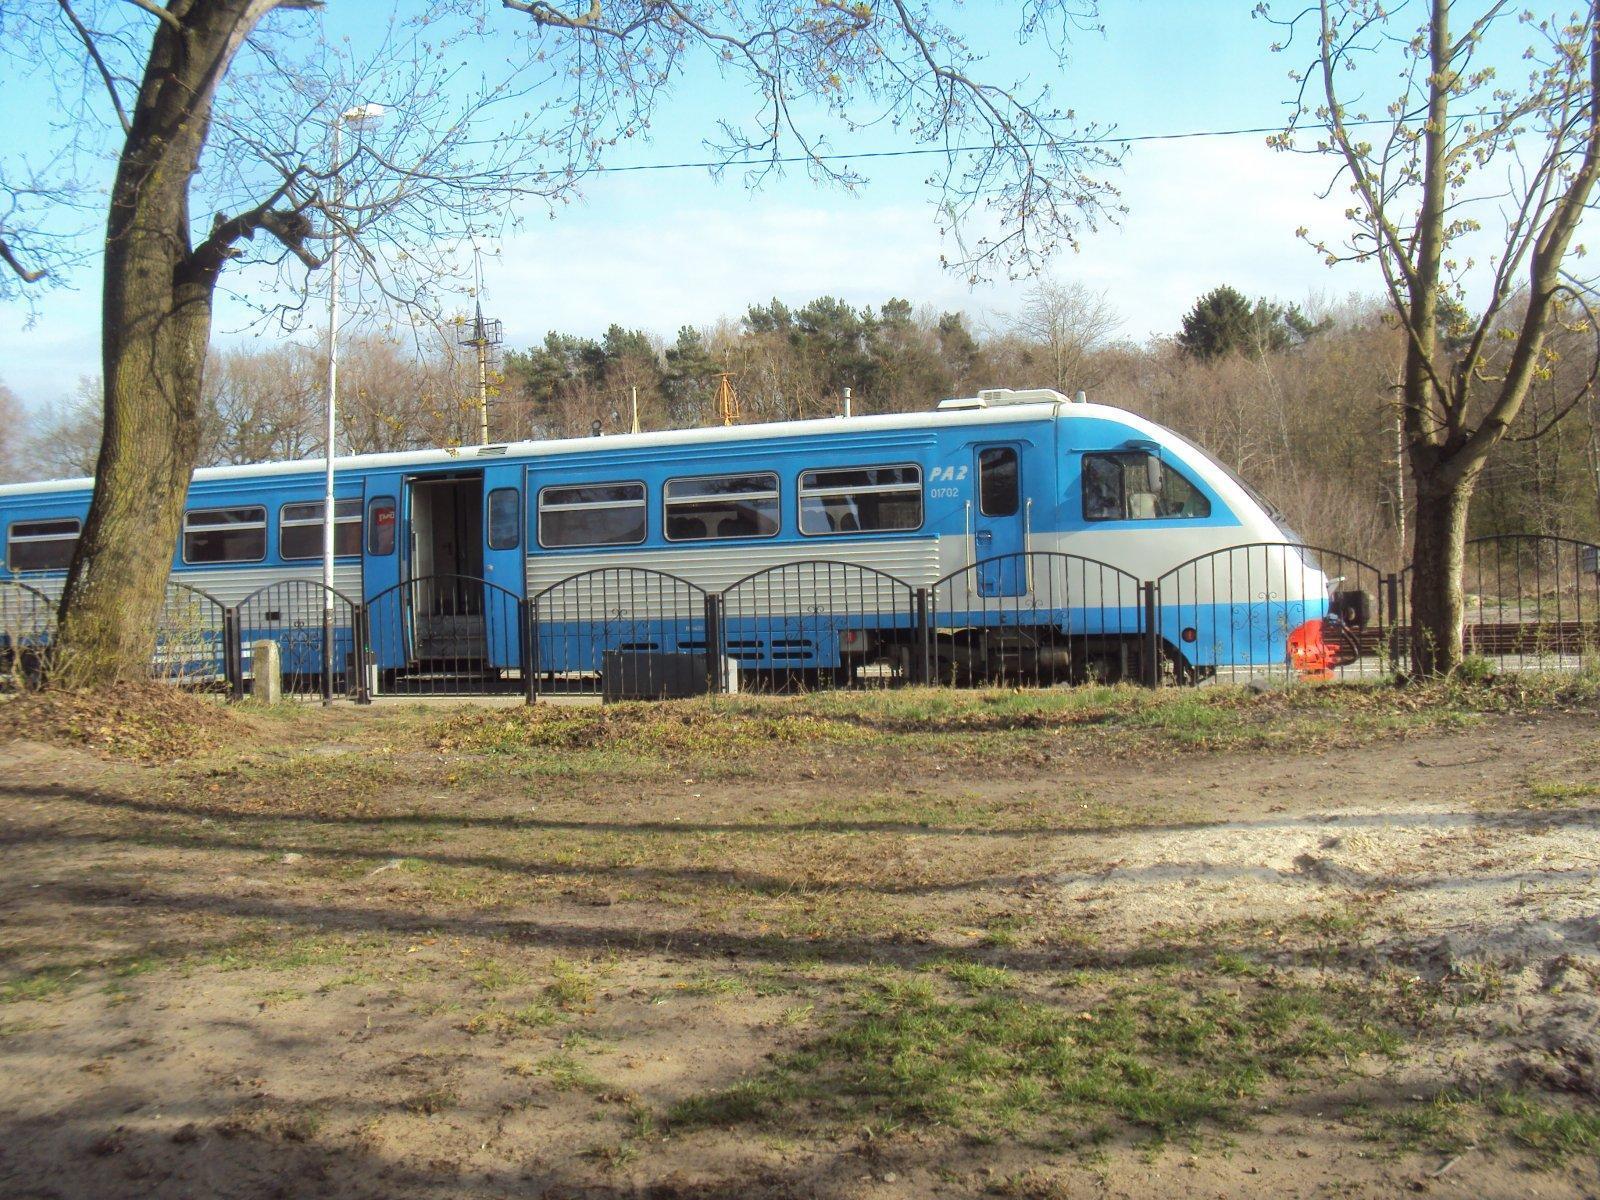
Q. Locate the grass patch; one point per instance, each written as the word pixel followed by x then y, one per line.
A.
pixel 571 988
pixel 727 735
pixel 1554 792
pixel 39 985
pixel 512 1022
pixel 990 1062
pixel 566 1074
pixel 1444 1124
pixel 435 1100
pixel 707 984
pixel 977 977
pixel 1552 1134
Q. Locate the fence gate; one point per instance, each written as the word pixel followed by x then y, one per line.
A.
pixel 192 644
pixel 1067 619
pixel 621 632
pixel 822 623
pixel 315 629
pixel 444 635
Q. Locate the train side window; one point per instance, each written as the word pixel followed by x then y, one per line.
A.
pixel 300 529
pixel 1136 486
pixel 999 482
pixel 380 526
pixel 42 545
pixel 505 519
pixel 224 535
pixel 592 514
pixel 721 506
pixel 860 500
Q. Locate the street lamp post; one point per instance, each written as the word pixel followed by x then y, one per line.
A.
pixel 356 116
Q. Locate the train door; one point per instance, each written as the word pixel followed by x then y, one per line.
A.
pixel 1000 533
pixel 445 562
pixel 505 528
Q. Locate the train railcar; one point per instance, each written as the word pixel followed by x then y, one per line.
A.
pixel 980 502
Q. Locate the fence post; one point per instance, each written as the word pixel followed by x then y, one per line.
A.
pixel 327 650
pixel 1391 599
pixel 528 650
pixel 714 681
pixel 1152 637
pixel 232 654
pixel 360 653
pixel 921 669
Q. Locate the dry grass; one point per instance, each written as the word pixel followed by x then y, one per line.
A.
pixel 148 723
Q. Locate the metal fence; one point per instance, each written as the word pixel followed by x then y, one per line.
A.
pixel 821 623
pixel 443 635
pixel 1275 609
pixel 315 629
pixel 1240 613
pixel 1532 601
pixel 1038 618
pixel 623 633
pixel 27 625
pixel 192 639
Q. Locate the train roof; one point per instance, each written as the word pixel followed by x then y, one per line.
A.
pixel 988 408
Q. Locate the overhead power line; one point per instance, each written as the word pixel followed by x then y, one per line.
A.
pixel 922 151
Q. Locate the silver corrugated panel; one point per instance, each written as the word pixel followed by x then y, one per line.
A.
pixel 715 567
pixel 233 585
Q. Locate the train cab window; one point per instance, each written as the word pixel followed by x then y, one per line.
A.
pixel 999 482
pixel 592 514
pixel 300 529
pixel 380 526
pixel 505 519
pixel 42 545
pixel 860 500
pixel 721 506
pixel 1136 486
pixel 224 535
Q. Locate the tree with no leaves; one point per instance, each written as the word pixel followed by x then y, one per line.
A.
pixel 223 98
pixel 1069 322
pixel 1460 138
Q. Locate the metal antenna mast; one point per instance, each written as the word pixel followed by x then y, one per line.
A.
pixel 484 337
pixel 727 399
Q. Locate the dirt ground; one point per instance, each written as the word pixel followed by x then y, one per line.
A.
pixel 914 947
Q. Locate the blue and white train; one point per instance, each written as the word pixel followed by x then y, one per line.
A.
pixel 994 483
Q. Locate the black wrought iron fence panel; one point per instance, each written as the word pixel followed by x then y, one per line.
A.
pixel 1275 609
pixel 444 635
pixel 314 628
pixel 192 639
pixel 621 632
pixel 27 627
pixel 1531 601
pixel 1037 617
pixel 821 623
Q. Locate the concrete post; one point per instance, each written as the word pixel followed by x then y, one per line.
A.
pixel 266 666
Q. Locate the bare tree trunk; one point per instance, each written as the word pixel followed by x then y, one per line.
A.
pixel 157 322
pixel 1438 606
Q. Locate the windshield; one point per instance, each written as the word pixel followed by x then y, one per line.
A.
pixel 1272 510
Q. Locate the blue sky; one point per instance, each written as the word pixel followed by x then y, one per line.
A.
pixel 659 250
